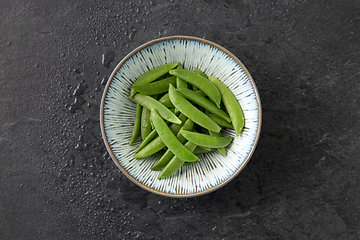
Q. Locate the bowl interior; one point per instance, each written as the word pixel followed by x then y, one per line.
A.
pixel 118 112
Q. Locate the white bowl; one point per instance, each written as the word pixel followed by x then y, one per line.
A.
pixel 117 115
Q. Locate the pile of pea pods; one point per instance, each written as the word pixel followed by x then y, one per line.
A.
pixel 180 113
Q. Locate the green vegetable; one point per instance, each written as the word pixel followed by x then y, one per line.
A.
pixel 165 100
pixel 157 144
pixel 231 104
pixel 175 163
pixel 152 75
pixel 221 122
pixel 179 82
pixel 221 150
pixel 149 103
pixel 153 134
pixel 200 82
pixel 204 102
pixel 154 146
pixel 188 125
pixel 199 72
pixel 157 87
pixel 200 149
pixel 189 110
pixel 170 139
pixel 145 128
pixel 205 140
pixel 136 128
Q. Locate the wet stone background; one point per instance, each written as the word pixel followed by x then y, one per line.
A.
pixel 57 180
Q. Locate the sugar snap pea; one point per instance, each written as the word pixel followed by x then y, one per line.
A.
pixel 152 147
pixel 157 144
pixel 221 150
pixel 179 82
pixel 185 107
pixel 204 102
pixel 200 149
pixel 145 128
pixel 167 156
pixel 206 140
pixel 149 103
pixel 231 104
pixel 200 82
pixel 175 163
pixel 199 72
pixel 156 87
pixel 149 138
pixel 165 100
pixel 170 139
pixel 152 75
pixel 136 128
pixel 221 122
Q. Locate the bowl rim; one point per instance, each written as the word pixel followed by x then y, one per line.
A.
pixel 191 38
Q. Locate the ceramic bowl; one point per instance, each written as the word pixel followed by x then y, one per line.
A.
pixel 117 115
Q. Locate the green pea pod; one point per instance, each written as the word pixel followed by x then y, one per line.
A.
pixel 200 82
pixel 221 122
pixel 179 82
pixel 175 163
pixel 188 125
pixel 165 100
pixel 232 105
pixel 149 103
pixel 153 134
pixel 170 139
pixel 157 87
pixel 221 150
pixel 204 102
pixel 152 75
pixel 151 148
pixel 189 110
pixel 199 72
pixel 145 128
pixel 136 128
pixel 200 149
pixel 157 144
pixel 205 140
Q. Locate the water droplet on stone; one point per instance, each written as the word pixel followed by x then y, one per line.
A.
pixel 107 58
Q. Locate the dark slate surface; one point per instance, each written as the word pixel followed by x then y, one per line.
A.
pixel 58 182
